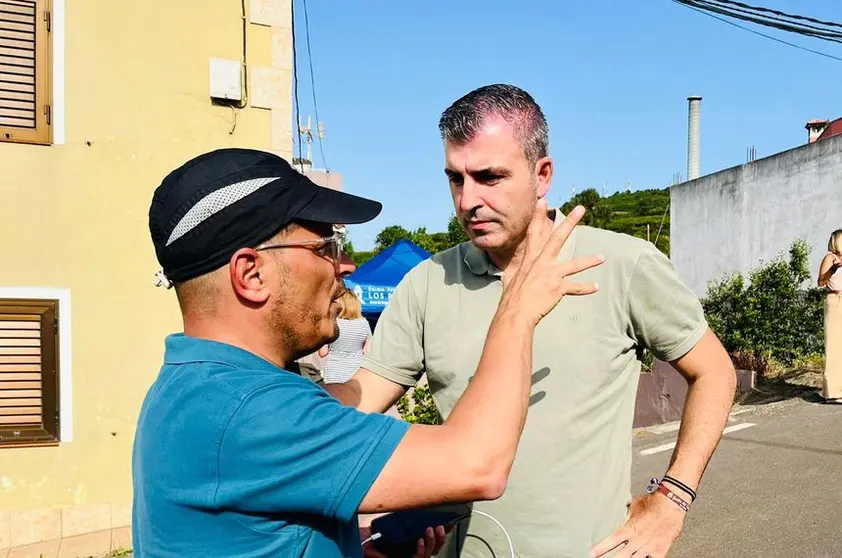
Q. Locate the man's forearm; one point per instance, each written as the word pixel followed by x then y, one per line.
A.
pixel 348 393
pixel 710 396
pixel 367 392
pixel 705 414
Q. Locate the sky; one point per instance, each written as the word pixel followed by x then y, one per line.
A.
pixel 612 77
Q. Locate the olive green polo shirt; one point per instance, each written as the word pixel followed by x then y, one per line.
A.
pixel 570 484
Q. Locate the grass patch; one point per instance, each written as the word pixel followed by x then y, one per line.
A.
pixel 116 553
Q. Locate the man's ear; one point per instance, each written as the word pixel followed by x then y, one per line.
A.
pixel 247 269
pixel 543 175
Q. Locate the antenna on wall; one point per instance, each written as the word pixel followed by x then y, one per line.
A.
pixel 308 138
pixel 321 131
pixel 751 154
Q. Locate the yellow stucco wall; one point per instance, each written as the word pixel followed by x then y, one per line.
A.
pixel 75 215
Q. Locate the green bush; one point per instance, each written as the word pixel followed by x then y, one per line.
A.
pixel 422 409
pixel 771 316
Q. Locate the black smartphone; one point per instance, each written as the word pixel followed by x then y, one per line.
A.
pixel 400 531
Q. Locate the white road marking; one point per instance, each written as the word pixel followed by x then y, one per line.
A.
pixel 658 449
pixel 675 425
pixel 736 427
pixel 671 445
pixel 664 428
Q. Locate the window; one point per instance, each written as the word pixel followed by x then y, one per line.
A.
pixel 29 372
pixel 25 71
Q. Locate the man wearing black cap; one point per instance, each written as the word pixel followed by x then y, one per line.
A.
pixel 236 456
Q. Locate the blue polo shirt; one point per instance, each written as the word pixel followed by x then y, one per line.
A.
pixel 236 457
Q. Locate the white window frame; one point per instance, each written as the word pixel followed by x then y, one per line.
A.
pixel 64 350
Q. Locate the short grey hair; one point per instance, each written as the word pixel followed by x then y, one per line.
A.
pixel 461 121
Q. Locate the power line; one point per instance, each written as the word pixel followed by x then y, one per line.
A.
pixel 776 22
pixel 779 20
pixel 295 87
pixel 313 83
pixel 784 14
pixel 744 28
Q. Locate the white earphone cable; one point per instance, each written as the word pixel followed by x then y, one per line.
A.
pixel 373 537
pixel 500 525
pixel 376 536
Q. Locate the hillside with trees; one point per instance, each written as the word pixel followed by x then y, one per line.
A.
pixel 644 214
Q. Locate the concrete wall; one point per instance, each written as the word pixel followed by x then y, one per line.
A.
pixel 74 217
pixel 734 219
pixel 661 394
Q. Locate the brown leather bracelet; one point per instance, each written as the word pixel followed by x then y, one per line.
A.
pixel 674 498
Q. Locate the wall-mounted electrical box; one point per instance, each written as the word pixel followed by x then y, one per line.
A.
pixel 226 79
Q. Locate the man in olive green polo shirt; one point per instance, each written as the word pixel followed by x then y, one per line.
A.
pixel 569 494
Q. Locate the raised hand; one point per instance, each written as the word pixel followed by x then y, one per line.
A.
pixel 541 281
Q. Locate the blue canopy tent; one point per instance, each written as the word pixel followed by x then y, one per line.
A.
pixel 375 281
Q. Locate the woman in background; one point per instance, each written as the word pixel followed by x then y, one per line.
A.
pixel 830 277
pixel 346 353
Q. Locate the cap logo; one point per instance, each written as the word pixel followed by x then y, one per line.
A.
pixel 215 202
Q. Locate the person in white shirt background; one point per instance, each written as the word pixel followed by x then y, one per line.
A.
pixel 343 356
pixel 830 277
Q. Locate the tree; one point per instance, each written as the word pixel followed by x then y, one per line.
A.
pixel 597 214
pixel 770 317
pixel 440 241
pixel 422 409
pixel 455 232
pixel 431 242
pixel 359 258
pixel 389 236
pixel 422 238
pixel 348 248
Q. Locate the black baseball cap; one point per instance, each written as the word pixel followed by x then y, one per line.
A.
pixel 227 199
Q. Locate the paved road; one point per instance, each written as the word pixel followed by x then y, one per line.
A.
pixel 774 487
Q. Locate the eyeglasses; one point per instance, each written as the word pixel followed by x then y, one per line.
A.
pixel 327 247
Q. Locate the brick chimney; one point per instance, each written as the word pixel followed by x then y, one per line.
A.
pixel 815 128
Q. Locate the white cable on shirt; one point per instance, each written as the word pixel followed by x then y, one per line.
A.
pixel 500 525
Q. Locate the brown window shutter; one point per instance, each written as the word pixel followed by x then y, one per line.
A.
pixel 29 372
pixel 25 71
